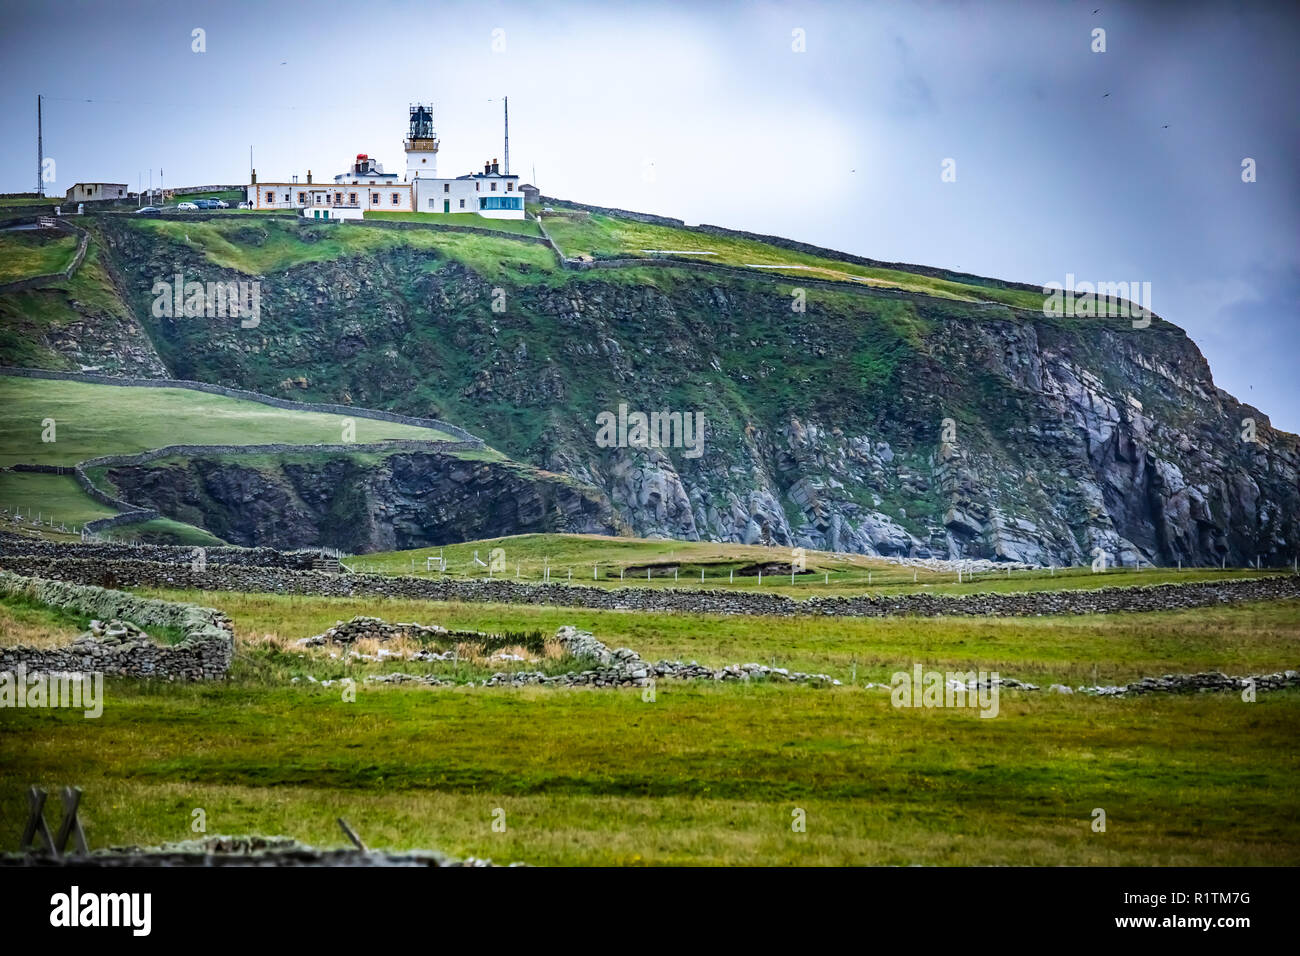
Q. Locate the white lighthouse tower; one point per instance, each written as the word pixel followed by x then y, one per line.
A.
pixel 421 145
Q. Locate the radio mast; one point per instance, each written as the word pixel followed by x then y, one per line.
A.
pixel 40 150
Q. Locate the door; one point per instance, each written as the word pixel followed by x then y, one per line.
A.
pixel 446 205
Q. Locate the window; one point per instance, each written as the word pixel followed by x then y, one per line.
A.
pixel 476 186
pixel 446 187
pixel 286 197
pixel 270 197
pixel 431 205
pixel 302 199
pixel 395 195
pixel 500 202
pixel 494 187
pixel 374 199
pixel 352 199
pixel 510 186
pixel 462 204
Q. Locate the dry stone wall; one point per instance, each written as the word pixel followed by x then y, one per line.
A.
pixel 13 544
pixel 1160 597
pixel 204 654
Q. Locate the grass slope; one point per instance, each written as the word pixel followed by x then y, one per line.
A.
pixel 33 253
pixel 602 236
pixel 724 565
pixel 93 419
pixel 266 246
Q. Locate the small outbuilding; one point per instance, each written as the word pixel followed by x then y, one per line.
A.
pixel 90 192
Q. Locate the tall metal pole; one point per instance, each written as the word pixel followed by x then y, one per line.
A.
pixel 507 100
pixel 40 150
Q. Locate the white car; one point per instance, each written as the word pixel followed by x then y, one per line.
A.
pixel 186 206
pixel 222 204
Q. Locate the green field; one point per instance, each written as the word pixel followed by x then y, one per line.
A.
pixel 706 773
pixel 32 253
pixel 92 420
pixel 56 496
pixel 163 531
pixel 627 561
pixel 600 236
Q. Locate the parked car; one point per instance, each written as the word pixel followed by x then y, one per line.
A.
pixel 245 205
pixel 186 206
pixel 221 204
pixel 148 211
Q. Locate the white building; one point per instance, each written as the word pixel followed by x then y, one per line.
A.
pixel 89 192
pixel 493 194
pixel 364 186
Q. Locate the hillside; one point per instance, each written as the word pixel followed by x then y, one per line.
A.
pixel 823 429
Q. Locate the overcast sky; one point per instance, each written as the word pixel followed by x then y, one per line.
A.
pixel 706 112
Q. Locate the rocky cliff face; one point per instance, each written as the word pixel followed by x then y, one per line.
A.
pixel 372 503
pixel 866 424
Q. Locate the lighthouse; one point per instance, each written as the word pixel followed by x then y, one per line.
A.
pixel 421 145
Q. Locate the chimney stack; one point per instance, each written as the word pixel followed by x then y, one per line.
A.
pixel 494 167
pixel 309 177
pixel 487 167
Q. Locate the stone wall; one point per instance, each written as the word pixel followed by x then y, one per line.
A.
pixel 14 544
pixel 1160 597
pixel 204 654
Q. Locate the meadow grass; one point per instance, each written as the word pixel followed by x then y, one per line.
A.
pixel 1116 648
pixel 701 775
pixel 24 620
